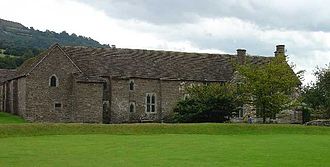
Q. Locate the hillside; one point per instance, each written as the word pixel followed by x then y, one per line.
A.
pixel 18 43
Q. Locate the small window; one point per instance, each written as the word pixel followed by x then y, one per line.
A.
pixel 132 107
pixel 53 81
pixel 150 102
pixel 131 85
pixel 57 106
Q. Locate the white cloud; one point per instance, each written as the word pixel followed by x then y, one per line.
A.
pixel 307 49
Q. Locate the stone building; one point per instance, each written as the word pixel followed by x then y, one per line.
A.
pixel 5 74
pixel 111 85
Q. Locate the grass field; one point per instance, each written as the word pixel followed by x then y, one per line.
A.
pixel 6 118
pixel 163 145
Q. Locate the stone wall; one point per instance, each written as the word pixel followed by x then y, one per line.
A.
pixel 15 97
pixel 41 98
pixel 9 97
pixel 5 96
pixel 21 95
pixel 119 101
pixel 172 92
pixel 168 93
pixel 88 103
pixel 2 98
pixel 289 116
pixel 122 97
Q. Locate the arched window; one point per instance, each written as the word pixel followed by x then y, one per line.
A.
pixel 132 107
pixel 53 81
pixel 131 85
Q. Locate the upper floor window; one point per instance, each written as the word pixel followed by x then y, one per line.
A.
pixel 53 81
pixel 131 85
pixel 150 102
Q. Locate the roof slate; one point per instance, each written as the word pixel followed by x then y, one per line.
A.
pixel 138 63
pixel 132 63
pixel 29 64
pixel 6 74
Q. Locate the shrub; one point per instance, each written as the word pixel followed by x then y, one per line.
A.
pixel 206 103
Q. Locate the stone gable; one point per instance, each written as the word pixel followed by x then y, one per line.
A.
pixel 41 97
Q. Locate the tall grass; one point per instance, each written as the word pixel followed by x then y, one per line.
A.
pixel 38 129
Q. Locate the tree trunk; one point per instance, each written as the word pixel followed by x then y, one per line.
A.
pixel 263 114
pixel 264 118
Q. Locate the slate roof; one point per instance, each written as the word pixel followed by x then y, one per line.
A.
pixel 28 65
pixel 6 74
pixel 137 63
pixel 117 62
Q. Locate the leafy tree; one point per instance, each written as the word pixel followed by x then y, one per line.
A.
pixel 10 62
pixel 206 103
pixel 24 42
pixel 317 95
pixel 269 87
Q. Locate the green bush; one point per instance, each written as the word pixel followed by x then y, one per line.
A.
pixel 206 103
pixel 317 95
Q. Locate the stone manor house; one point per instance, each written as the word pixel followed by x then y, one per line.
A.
pixel 110 85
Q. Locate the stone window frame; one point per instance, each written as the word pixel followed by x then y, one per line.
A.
pixel 57 108
pixel 134 107
pixel 50 81
pixel 150 104
pixel 131 85
pixel 240 113
pixel 186 96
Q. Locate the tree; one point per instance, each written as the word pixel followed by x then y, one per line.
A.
pixel 26 42
pixel 206 103
pixel 317 95
pixel 269 87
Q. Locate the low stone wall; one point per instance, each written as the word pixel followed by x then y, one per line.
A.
pixel 318 123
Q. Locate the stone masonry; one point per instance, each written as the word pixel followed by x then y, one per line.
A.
pixel 110 85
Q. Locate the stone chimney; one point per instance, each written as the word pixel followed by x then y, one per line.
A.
pixel 241 53
pixel 280 49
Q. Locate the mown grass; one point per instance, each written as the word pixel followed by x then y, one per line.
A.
pixel 33 144
pixel 166 150
pixel 6 118
pixel 35 129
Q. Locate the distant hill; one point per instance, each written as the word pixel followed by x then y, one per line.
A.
pixel 22 43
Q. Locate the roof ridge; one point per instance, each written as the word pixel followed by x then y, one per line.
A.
pixel 166 51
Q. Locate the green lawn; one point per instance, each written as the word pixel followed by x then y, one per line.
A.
pixel 6 118
pixel 31 144
pixel 166 150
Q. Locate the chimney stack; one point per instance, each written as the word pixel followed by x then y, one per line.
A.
pixel 241 53
pixel 280 49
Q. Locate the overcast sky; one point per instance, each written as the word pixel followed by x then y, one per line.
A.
pixel 213 26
